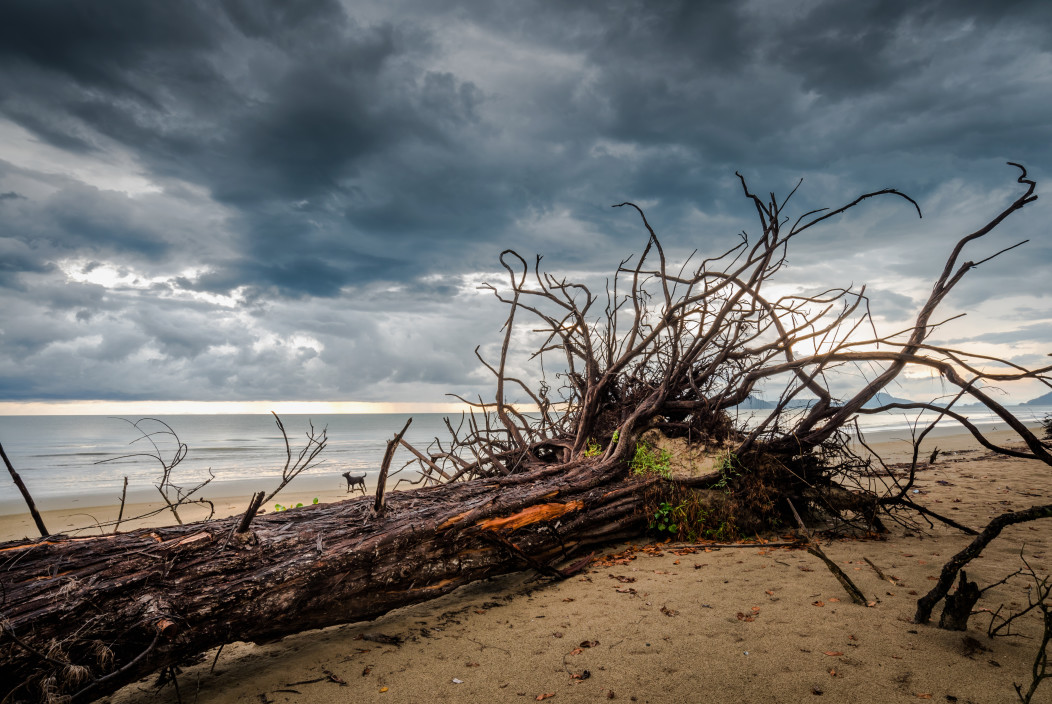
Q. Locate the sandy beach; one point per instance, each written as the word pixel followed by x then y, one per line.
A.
pixel 672 622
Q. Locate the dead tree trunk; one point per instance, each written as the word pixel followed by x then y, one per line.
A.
pixel 85 616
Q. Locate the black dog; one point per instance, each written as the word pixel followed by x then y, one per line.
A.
pixel 354 481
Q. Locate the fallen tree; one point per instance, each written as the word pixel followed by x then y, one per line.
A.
pixel 84 616
pixel 662 356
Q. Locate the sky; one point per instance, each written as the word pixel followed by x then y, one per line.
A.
pixel 241 203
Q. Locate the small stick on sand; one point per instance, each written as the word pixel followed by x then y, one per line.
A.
pixel 854 592
pixel 878 571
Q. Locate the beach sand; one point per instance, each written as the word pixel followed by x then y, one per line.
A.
pixel 684 623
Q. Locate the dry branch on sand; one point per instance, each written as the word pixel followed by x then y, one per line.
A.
pixel 660 356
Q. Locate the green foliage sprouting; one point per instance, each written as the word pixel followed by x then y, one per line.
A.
pixel 729 471
pixel 649 460
pixel 594 449
pixel 278 507
pixel 664 519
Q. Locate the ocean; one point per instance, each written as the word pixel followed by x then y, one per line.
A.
pixel 62 456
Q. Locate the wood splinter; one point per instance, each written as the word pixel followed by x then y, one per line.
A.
pixel 250 512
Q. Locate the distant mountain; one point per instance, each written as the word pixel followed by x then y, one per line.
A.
pixel 753 404
pixel 1045 400
pixel 883 399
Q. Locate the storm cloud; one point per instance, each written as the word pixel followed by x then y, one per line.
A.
pixel 296 200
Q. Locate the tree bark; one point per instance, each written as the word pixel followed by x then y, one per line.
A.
pixel 958 607
pixel 122 606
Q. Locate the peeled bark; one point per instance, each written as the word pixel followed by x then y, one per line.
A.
pixel 122 606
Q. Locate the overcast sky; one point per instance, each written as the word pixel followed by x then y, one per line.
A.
pixel 250 200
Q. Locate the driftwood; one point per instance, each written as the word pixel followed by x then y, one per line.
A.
pixel 956 563
pixel 151 598
pixel 672 349
pixel 958 606
pixel 30 504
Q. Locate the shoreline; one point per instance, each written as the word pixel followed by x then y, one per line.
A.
pixel 81 513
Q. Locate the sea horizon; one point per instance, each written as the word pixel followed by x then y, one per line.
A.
pixel 88 455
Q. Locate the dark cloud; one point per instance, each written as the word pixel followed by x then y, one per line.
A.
pixel 259 199
pixel 1037 332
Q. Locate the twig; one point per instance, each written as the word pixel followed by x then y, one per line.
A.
pixel 216 658
pixel 130 664
pixel 25 495
pixel 165 485
pixel 175 682
pixel 1044 589
pixel 813 547
pixel 120 514
pixel 482 646
pixel 316 442
pixel 381 481
pixel 787 544
pixel 424 459
pixel 250 513
pixel 799 521
pixel 876 569
pixel 854 592
pixel 948 521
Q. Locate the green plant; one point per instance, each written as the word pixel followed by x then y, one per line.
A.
pixel 594 448
pixel 665 516
pixel 728 469
pixel 724 531
pixel 614 437
pixel 649 460
pixel 686 517
pixel 278 507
